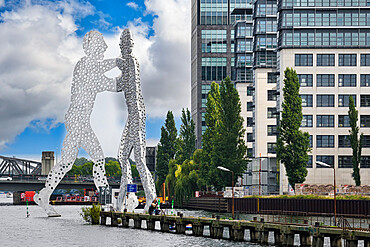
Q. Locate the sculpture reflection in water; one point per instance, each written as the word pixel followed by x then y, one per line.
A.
pixel 133 137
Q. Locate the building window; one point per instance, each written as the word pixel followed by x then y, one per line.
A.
pixel 365 80
pixel 347 60
pixel 272 130
pixel 250 122
pixel 244 60
pixel 343 121
pixel 344 161
pixel 303 60
pixel 325 100
pixel 348 80
pixel 365 120
pixel 325 60
pixel 365 162
pixel 250 137
pixel 271 112
pixel 250 106
pixel 311 141
pixel 250 91
pixel 325 80
pixel 365 59
pixel 213 68
pixel 214 41
pixel 309 162
pixel 306 100
pixel 305 80
pixel 343 100
pixel 366 141
pixel 307 121
pixel 271 95
pixel 325 121
pixel 244 31
pixel 271 78
pixel 325 141
pixel 343 141
pixel 214 14
pixel 271 148
pixel 327 159
pixel 324 38
pixel 365 100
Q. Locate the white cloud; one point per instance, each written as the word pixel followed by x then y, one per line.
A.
pixel 41 49
pixel 165 56
pixel 2 3
pixel 133 5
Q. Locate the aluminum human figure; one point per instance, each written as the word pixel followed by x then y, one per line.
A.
pixel 133 137
pixel 88 80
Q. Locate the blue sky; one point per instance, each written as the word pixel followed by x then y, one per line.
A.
pixel 41 43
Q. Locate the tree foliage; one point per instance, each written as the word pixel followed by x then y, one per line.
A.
pixel 292 144
pixel 186 140
pixel 187 179
pixel 212 117
pixel 166 148
pixel 112 169
pixel 223 141
pixel 356 142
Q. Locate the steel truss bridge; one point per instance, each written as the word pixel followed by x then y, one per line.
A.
pixel 15 166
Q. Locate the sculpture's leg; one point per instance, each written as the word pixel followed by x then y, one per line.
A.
pixel 92 146
pixel 128 201
pixel 69 154
pixel 145 175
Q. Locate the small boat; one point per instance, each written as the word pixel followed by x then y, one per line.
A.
pixel 9 195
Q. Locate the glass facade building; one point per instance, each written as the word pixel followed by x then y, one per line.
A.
pixel 212 50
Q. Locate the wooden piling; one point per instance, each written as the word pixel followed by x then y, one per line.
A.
pixel 283 233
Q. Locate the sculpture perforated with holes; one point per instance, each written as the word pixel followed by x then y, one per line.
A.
pixel 88 80
pixel 133 137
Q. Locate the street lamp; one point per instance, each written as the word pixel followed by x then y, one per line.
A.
pixel 232 184
pixel 335 189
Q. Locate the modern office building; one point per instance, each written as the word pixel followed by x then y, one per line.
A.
pixel 327 43
pixel 256 82
pixel 212 51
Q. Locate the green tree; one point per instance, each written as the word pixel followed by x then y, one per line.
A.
pixel 166 148
pixel 85 169
pixel 187 176
pixel 171 178
pixel 229 149
pixel 356 142
pixel 80 161
pixel 292 144
pixel 186 140
pixel 212 117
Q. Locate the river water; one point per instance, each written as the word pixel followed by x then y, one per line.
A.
pixel 70 230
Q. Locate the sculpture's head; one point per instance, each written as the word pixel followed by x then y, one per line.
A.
pixel 126 42
pixel 94 45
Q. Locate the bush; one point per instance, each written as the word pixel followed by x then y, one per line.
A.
pixel 91 214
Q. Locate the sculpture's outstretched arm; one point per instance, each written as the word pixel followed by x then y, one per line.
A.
pixel 109 84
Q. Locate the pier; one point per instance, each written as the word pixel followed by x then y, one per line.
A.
pixel 309 235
